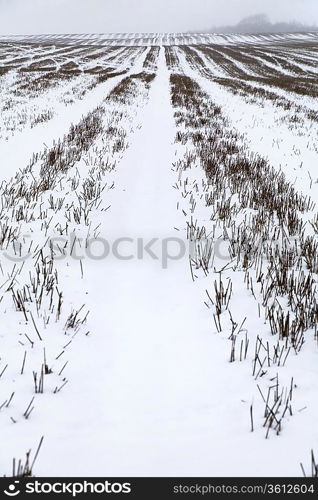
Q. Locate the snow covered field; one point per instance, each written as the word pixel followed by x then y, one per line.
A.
pixel 158 267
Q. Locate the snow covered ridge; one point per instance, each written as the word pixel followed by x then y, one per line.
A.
pixel 146 39
pixel 117 366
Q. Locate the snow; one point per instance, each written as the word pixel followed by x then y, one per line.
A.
pixel 267 132
pixel 19 148
pixel 151 391
pixel 146 39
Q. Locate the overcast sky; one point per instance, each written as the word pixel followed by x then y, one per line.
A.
pixel 102 16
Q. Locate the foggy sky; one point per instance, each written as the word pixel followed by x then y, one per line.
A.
pixel 102 16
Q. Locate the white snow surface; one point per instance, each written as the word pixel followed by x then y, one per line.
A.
pixel 151 391
pixel 147 39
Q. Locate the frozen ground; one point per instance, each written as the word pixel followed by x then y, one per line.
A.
pixel 152 39
pixel 125 365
